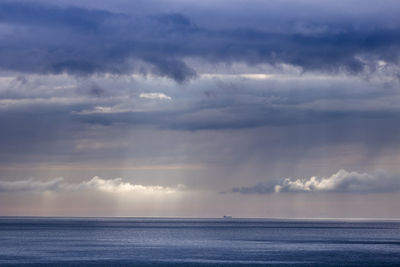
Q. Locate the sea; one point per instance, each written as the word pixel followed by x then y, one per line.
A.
pixel 39 241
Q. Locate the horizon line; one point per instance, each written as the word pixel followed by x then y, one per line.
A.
pixel 205 218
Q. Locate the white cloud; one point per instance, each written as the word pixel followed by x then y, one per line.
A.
pixel 118 186
pixel 160 96
pixel 98 184
pixel 342 181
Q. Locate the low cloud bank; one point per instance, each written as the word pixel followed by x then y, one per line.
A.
pixel 342 181
pixel 116 185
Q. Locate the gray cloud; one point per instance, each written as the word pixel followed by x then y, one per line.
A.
pixel 48 117
pixel 31 185
pixel 342 182
pixel 57 39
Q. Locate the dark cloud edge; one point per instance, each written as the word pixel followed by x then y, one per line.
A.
pixel 104 42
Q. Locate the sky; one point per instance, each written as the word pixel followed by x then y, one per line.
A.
pixel 263 109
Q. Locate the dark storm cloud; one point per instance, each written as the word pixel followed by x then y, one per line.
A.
pixel 30 13
pixel 36 37
pixel 43 38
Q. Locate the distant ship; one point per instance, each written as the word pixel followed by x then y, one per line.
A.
pixel 227 217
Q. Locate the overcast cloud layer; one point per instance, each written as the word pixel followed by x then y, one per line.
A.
pixel 212 94
pixel 47 38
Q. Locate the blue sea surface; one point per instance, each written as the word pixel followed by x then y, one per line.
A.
pixel 197 242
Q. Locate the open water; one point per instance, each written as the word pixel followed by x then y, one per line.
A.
pixel 197 242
